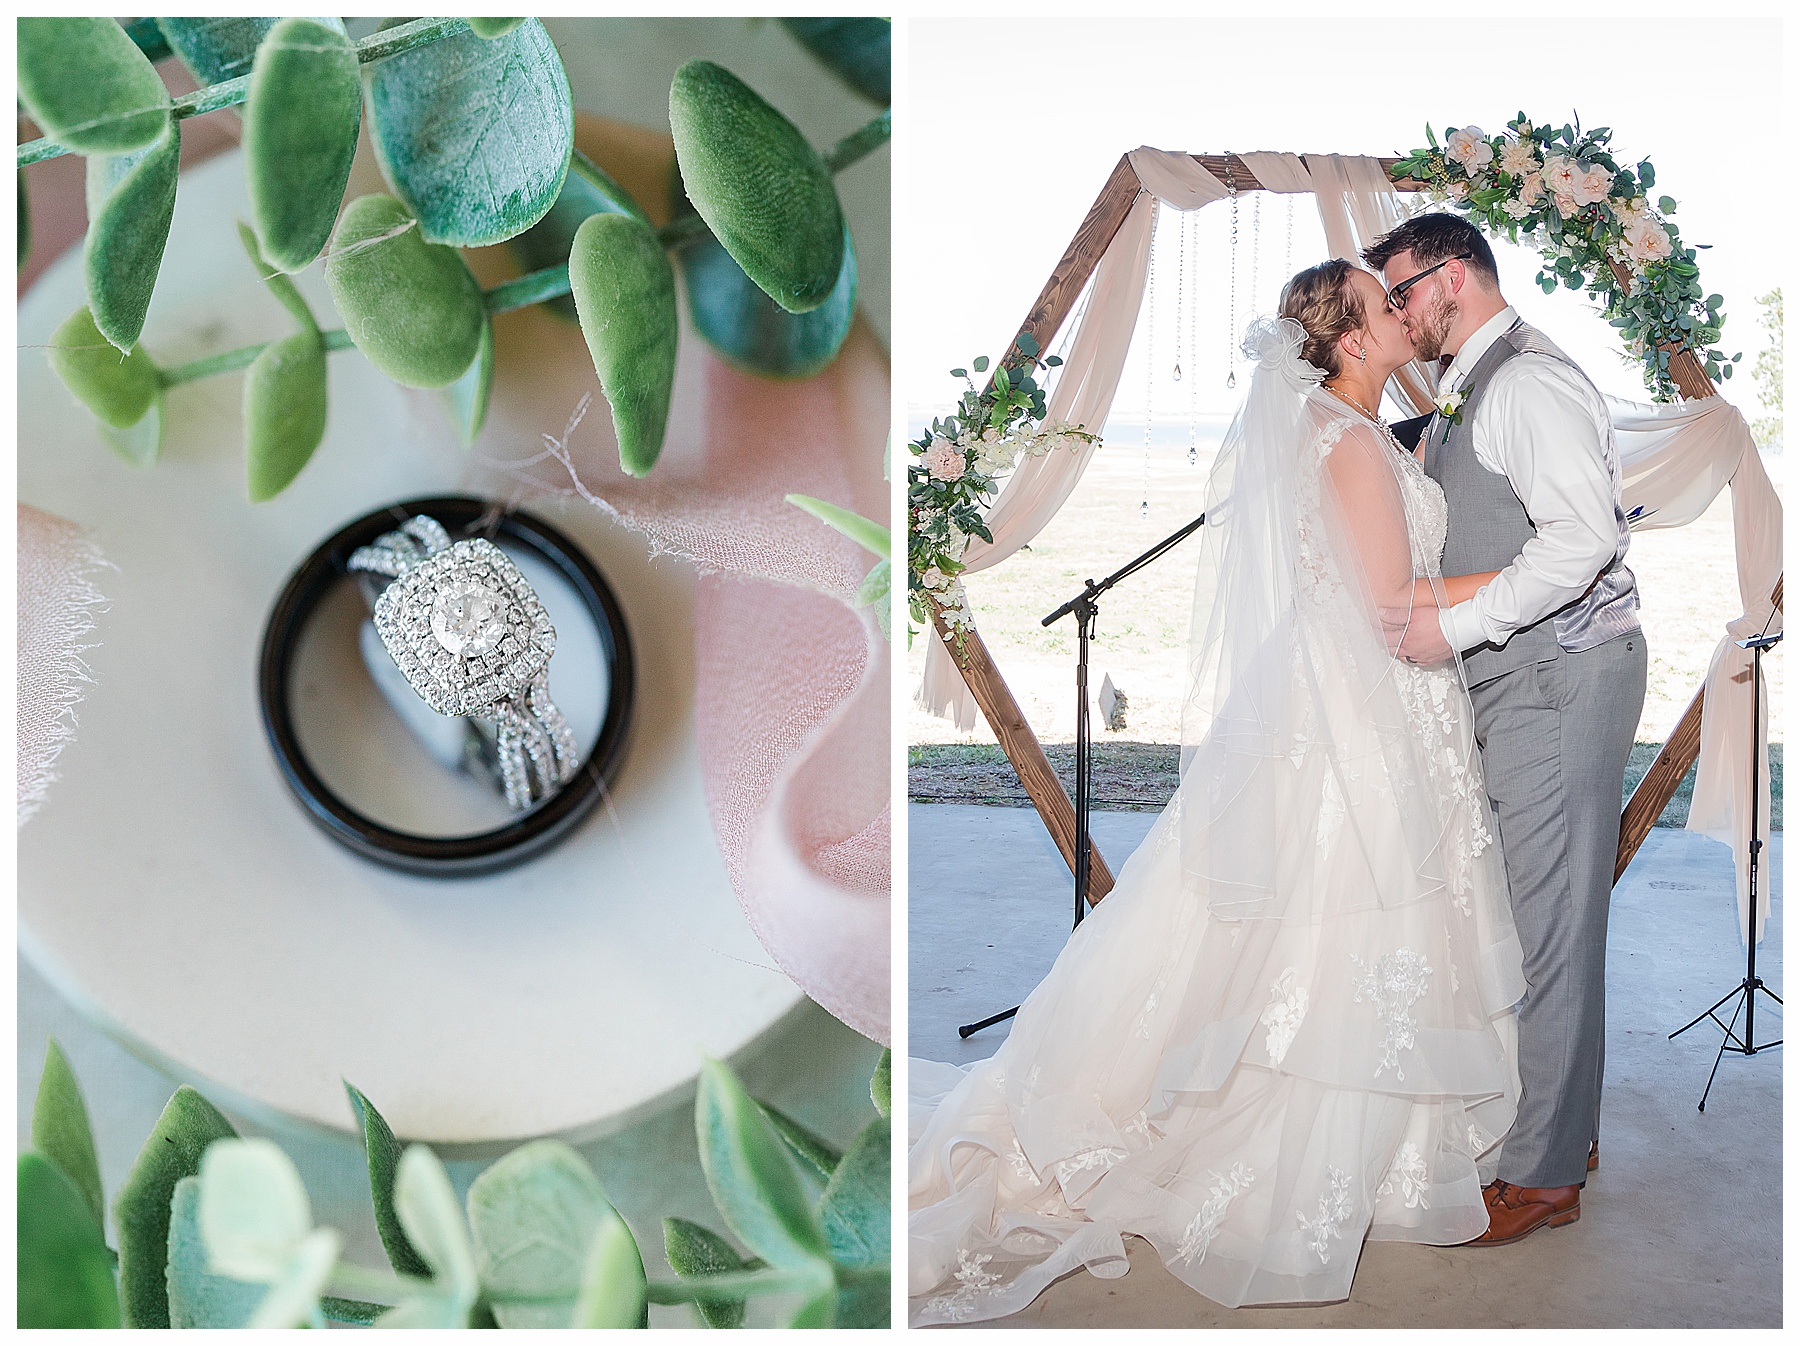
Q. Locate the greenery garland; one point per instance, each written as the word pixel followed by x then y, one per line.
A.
pixel 1561 190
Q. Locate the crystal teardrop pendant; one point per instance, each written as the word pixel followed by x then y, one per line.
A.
pixel 1144 510
pixel 1231 379
pixel 1178 373
pixel 1193 455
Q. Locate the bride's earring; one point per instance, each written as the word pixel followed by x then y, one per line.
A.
pixel 1362 356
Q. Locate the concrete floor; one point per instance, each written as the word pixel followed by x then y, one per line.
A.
pixel 1681 1227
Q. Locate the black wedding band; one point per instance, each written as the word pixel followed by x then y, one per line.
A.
pixel 484 852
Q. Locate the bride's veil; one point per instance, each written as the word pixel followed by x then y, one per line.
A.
pixel 1306 789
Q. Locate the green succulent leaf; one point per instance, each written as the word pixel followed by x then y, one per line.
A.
pixel 588 190
pixel 88 86
pixel 433 1220
pixel 819 1311
pixel 873 592
pixel 855 1208
pixel 856 50
pixel 754 333
pixel 130 203
pixel 198 1296
pixel 492 28
pixel 818 1157
pixel 536 1216
pixel 469 395
pixel 865 533
pixel 140 444
pixel 219 47
pixel 61 1133
pixel 410 306
pixel 753 1180
pixel 279 285
pixel 624 291
pixel 119 389
pixel 694 1250
pixel 284 412
pixel 383 1153
pixel 474 133
pixel 141 1210
pixel 613 1292
pixel 881 1084
pixel 65 1276
pixel 300 127
pixel 761 188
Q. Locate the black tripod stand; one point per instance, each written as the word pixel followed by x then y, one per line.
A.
pixel 1083 606
pixel 1745 992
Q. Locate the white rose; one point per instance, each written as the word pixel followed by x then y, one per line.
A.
pixel 1531 190
pixel 1470 148
pixel 943 461
pixel 1517 209
pixel 1646 241
pixel 1630 212
pixel 1592 185
pixel 1518 157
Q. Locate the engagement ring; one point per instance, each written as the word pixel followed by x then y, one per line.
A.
pixel 472 638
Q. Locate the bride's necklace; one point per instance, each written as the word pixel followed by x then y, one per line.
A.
pixel 1380 424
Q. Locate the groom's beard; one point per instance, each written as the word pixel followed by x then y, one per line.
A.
pixel 1431 330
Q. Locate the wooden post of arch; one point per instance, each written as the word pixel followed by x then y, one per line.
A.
pixel 1044 320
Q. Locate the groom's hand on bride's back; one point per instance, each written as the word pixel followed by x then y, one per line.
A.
pixel 1413 634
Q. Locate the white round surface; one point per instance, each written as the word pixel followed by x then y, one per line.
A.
pixel 173 888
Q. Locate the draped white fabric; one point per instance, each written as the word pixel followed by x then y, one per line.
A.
pixel 1676 458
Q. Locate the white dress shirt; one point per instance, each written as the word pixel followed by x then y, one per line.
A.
pixel 1543 427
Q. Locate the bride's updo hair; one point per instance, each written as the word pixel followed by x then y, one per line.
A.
pixel 1322 300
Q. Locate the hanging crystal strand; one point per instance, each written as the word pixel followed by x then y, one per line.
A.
pixel 1194 350
pixel 1231 303
pixel 1180 289
pixel 1149 358
pixel 1287 261
pixel 1255 252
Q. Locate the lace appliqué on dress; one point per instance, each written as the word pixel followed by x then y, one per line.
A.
pixel 1204 1227
pixel 972 1281
pixel 1334 1209
pixel 1287 1007
pixel 1409 1175
pixel 1394 985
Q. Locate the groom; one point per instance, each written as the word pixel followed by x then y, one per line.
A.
pixel 1556 665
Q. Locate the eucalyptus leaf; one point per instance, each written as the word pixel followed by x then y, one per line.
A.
pixel 866 533
pixel 433 1220
pixel 279 285
pixel 219 47
pixel 117 388
pixel 624 291
pixel 474 133
pixel 492 28
pixel 198 1296
pixel 254 1211
pixel 857 50
pixel 762 189
pixel 141 1210
pixel 613 1284
pixel 873 592
pixel 881 1083
pixel 469 394
pixel 131 202
pixel 293 1301
pixel 588 190
pixel 754 333
pixel 752 1178
pixel 61 1133
pixel 818 1311
pixel 284 412
pixel 694 1250
pixel 817 1156
pixel 140 444
pixel 300 127
pixel 535 1216
pixel 856 1205
pixel 65 1276
pixel 383 1153
pixel 410 306
pixel 88 87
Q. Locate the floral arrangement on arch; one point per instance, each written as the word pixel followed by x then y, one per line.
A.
pixel 1561 190
pixel 956 468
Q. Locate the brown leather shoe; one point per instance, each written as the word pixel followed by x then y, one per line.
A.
pixel 1514 1212
pixel 1593 1156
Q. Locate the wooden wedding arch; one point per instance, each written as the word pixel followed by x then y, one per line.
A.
pixel 1043 321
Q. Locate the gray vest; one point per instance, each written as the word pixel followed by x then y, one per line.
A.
pixel 1488 527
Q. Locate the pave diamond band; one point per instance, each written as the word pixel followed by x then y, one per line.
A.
pixel 472 638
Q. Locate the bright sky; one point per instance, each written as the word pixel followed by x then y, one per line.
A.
pixel 1010 128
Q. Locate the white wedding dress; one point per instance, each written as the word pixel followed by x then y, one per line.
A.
pixel 1289 1026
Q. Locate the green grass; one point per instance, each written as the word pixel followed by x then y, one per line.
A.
pixel 1140 776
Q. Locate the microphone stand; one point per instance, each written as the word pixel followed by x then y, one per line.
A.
pixel 1085 611
pixel 1745 992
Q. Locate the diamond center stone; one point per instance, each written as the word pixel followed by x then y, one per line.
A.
pixel 468 619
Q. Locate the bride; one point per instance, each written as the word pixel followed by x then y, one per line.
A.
pixel 1289 1026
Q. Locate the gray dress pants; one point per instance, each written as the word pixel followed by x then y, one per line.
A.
pixel 1555 738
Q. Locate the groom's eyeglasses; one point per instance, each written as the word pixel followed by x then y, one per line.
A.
pixel 1396 299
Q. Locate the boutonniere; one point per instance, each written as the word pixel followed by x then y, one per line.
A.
pixel 1449 407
